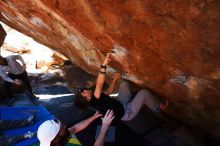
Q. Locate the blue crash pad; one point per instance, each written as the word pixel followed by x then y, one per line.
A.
pixel 16 113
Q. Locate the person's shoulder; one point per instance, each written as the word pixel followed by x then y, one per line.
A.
pixel 104 96
pixel 94 99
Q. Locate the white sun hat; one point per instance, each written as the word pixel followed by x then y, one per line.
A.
pixel 48 131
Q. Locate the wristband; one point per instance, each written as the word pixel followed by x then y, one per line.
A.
pixel 103 66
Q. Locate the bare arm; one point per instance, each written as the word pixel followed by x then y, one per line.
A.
pixel 101 77
pixel 106 121
pixel 83 124
pixel 117 77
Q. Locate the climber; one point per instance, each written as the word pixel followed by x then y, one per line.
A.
pixel 123 107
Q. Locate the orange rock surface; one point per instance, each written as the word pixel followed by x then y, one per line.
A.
pixel 171 47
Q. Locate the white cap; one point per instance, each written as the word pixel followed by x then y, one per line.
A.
pixel 47 132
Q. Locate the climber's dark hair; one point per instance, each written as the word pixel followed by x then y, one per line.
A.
pixel 80 101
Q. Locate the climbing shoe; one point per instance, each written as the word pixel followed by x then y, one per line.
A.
pixel 164 104
pixel 30 120
pixel 30 134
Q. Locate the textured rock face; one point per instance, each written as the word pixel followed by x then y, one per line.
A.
pixel 2 35
pixel 2 38
pixel 171 47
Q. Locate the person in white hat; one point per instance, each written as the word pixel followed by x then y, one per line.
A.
pixel 48 131
pixel 54 133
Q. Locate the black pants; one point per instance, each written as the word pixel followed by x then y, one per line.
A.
pixel 3 95
pixel 7 141
pixel 8 124
pixel 23 77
